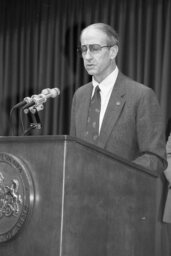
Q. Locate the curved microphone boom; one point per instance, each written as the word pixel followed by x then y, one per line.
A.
pixel 18 105
pixel 22 103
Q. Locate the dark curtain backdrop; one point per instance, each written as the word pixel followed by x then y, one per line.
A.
pixel 38 41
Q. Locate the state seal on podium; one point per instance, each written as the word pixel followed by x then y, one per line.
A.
pixel 16 195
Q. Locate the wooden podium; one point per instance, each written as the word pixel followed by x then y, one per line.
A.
pixel 78 200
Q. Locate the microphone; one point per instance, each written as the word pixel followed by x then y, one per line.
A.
pixel 51 92
pixel 37 100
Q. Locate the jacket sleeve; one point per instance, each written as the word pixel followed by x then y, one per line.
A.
pixel 167 172
pixel 150 133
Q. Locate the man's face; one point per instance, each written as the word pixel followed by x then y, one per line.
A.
pixel 98 64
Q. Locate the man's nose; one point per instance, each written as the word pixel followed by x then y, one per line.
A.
pixel 88 54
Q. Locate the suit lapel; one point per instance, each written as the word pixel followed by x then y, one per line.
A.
pixel 113 111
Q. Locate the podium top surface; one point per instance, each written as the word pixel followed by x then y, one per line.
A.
pixel 68 139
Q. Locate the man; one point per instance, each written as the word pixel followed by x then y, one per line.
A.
pixel 167 172
pixel 130 122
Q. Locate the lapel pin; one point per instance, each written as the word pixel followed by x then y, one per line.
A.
pixel 118 103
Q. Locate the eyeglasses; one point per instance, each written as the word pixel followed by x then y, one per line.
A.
pixel 93 48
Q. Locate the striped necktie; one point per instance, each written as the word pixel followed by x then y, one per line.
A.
pixel 92 132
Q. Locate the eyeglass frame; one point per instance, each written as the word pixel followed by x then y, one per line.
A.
pixel 88 46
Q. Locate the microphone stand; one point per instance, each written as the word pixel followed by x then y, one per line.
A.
pixel 33 125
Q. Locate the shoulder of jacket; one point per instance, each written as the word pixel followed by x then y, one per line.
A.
pixel 137 87
pixel 83 88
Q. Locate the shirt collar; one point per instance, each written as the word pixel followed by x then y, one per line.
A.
pixel 108 82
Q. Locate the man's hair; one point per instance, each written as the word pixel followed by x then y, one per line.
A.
pixel 112 35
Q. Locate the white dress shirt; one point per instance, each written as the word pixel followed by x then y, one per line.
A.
pixel 106 87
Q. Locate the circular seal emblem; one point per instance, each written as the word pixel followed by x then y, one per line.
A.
pixel 16 195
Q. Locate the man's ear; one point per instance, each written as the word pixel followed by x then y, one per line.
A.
pixel 114 51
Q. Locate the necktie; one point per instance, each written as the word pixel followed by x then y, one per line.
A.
pixel 92 132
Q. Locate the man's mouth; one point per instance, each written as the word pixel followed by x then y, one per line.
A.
pixel 89 65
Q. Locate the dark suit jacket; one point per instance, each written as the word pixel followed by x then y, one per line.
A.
pixel 132 126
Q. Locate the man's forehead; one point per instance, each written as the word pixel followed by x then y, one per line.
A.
pixel 93 34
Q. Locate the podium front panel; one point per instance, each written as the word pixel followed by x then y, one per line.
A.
pixel 41 232
pixel 110 207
